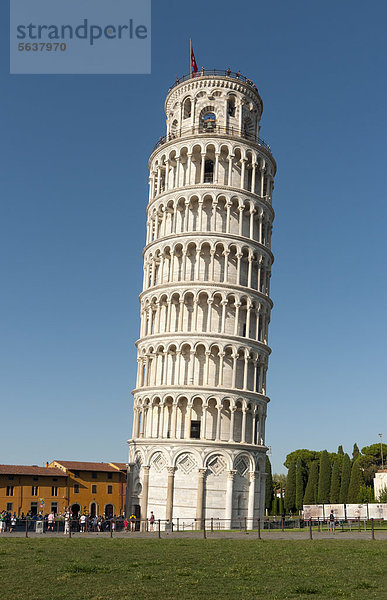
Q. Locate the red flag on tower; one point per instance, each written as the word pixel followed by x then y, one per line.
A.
pixel 194 67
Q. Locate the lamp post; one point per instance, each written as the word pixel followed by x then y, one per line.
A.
pixel 381 448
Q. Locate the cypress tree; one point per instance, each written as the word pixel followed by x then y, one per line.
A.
pixel 274 506
pixel 355 483
pixel 345 477
pixel 300 484
pixel 334 495
pixel 355 452
pixel 269 493
pixel 340 450
pixel 290 490
pixel 310 496
pixel 366 494
pixel 324 479
pixel 280 506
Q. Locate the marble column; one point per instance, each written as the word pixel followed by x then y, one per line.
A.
pixel 200 497
pixel 251 500
pixel 171 482
pixel 229 493
pixel 144 496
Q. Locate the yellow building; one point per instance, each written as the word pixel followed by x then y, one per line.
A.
pixel 32 489
pixel 86 487
pixel 94 488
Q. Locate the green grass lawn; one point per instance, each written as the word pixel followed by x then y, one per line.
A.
pixel 181 569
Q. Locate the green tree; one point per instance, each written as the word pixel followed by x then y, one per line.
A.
pixel 280 505
pixel 310 496
pixel 300 483
pixel 368 468
pixel 374 451
pixel 355 483
pixel 324 478
pixel 290 490
pixel 366 494
pixel 274 507
pixel 334 495
pixel 279 481
pixel 345 478
pixel 269 493
pixel 307 457
pixel 340 450
pixel 355 452
pixel 383 496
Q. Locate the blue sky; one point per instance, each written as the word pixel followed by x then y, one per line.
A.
pixel 73 177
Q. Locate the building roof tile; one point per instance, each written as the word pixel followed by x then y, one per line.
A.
pixel 73 465
pixel 30 470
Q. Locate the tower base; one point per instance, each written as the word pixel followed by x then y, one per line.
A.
pixel 186 483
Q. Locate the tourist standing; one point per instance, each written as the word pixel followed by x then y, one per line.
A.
pixel 332 522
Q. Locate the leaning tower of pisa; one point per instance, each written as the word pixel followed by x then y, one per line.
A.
pixel 198 444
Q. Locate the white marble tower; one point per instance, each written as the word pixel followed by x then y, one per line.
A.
pixel 198 444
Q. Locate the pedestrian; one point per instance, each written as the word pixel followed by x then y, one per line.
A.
pixel 51 521
pixel 332 522
pixel 82 522
pixel 67 523
pixel 13 522
pixel 152 521
pixel 2 521
pixel 132 520
pixel 7 521
pixel 126 524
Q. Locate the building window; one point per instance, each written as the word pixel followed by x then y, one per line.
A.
pixel 34 508
pixel 34 491
pixel 76 473
pixel 9 506
pixel 9 490
pixel 93 489
pixel 35 479
pixel 195 430
pixel 76 488
pixel 55 479
pixel 187 109
pixel 110 489
pixel 54 490
pixel 231 106
pixel 110 475
pixel 54 507
pixel 208 171
pixel 94 475
pixel 10 477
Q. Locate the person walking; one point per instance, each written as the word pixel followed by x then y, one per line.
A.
pixel 13 522
pixel 82 522
pixel 2 522
pixel 67 523
pixel 332 522
pixel 152 521
pixel 132 520
pixel 51 521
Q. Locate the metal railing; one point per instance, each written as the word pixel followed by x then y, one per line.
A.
pixel 215 73
pixel 204 129
pixel 122 526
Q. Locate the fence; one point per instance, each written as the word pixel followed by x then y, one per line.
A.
pixel 160 527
